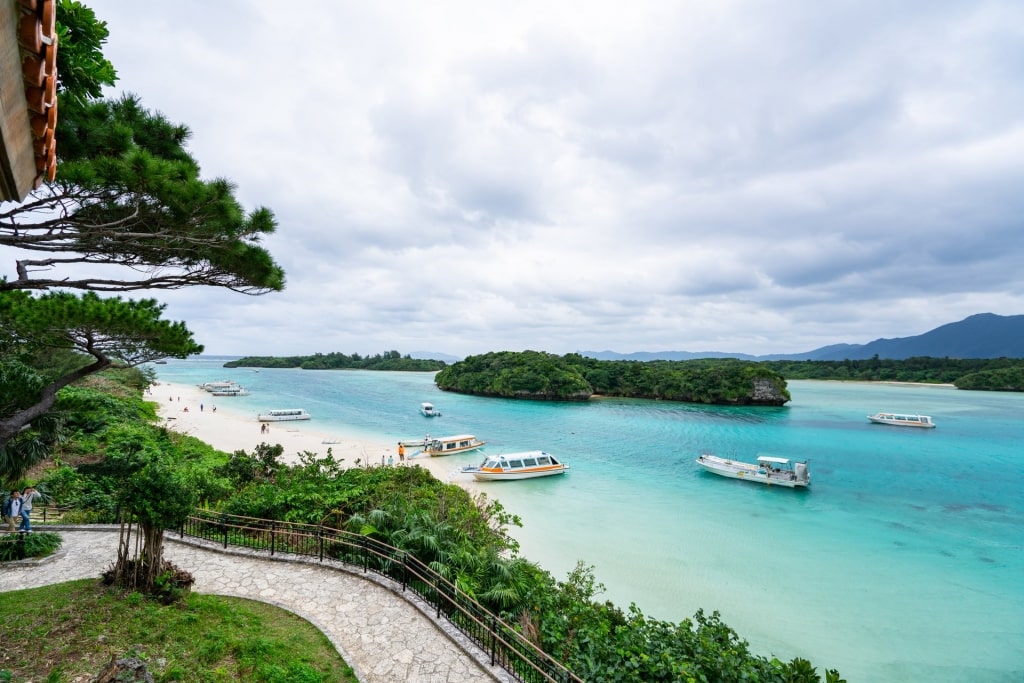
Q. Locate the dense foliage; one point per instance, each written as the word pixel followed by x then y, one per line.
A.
pixel 538 375
pixel 21 546
pixel 389 360
pixel 126 211
pixel 998 374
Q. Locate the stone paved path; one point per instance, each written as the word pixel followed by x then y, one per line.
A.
pixel 385 635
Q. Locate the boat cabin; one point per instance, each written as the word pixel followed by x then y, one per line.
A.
pixel 447 445
pixel 429 410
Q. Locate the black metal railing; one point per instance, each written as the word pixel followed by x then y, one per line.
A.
pixel 504 645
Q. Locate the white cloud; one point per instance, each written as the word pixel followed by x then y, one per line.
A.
pixel 466 176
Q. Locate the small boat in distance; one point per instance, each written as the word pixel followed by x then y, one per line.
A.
pixel 449 445
pixel 429 410
pixel 528 465
pixel 284 415
pixel 768 470
pixel 901 420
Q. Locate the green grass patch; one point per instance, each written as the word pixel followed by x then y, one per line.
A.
pixel 70 631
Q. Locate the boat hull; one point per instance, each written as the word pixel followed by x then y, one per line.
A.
pixel 501 476
pixel 283 418
pixel 750 472
pixel 895 422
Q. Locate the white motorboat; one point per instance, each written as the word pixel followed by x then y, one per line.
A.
pixel 902 420
pixel 284 415
pixel 449 445
pixel 528 465
pixel 231 391
pixel 768 470
pixel 429 410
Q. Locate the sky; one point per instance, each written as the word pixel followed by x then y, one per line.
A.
pixel 464 177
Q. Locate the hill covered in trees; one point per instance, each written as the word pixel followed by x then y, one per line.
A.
pixel 572 377
pixel 989 374
pixel 390 360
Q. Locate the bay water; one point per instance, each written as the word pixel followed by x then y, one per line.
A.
pixel 903 562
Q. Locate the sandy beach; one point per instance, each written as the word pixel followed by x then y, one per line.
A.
pixel 193 411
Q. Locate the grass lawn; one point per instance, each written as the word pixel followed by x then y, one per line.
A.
pixel 68 632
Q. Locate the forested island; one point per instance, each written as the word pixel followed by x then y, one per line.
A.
pixel 572 377
pixel 390 360
pixel 990 374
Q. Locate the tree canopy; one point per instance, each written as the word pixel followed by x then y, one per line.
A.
pixel 539 375
pixel 128 204
pixel 102 331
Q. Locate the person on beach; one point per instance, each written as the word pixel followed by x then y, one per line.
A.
pixel 27 496
pixel 13 510
pixel 391 460
pixel 200 407
pixel 401 452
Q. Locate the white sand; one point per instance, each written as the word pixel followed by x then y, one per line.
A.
pixel 230 429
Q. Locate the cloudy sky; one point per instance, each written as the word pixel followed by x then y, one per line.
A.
pixel 463 177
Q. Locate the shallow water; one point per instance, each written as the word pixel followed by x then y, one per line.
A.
pixel 902 563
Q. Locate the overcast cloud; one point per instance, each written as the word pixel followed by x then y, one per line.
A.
pixel 463 177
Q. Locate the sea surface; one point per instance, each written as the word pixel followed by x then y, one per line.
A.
pixel 903 562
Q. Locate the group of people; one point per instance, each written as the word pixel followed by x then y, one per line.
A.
pixel 18 509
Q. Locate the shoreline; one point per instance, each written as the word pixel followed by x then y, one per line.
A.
pixel 187 409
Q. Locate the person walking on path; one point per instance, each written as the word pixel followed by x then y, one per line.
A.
pixel 27 496
pixel 14 511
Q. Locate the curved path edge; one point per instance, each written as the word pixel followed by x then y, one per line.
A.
pixel 386 634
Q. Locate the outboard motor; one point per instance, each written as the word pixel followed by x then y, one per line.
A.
pixel 800 469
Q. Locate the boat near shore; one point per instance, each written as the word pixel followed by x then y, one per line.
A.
pixel 902 420
pixel 768 470
pixel 450 445
pixel 528 465
pixel 284 415
pixel 428 410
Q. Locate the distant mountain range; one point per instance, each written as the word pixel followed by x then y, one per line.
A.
pixel 985 335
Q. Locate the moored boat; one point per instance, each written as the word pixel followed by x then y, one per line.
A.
pixel 449 445
pixel 768 470
pixel 528 465
pixel 285 414
pixel 902 420
pixel 429 410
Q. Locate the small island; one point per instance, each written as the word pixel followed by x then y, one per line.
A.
pixel 544 376
pixel 390 360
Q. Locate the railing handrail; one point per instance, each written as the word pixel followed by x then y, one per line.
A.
pixel 505 646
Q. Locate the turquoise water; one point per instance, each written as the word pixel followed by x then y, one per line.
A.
pixel 903 562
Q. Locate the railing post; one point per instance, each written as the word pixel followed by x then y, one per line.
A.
pixel 366 553
pixel 273 537
pixel 405 570
pixel 494 638
pixel 320 541
pixel 224 527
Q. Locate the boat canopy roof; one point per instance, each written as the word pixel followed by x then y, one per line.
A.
pixel 457 437
pixel 772 458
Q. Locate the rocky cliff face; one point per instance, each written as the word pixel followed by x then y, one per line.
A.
pixel 765 392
